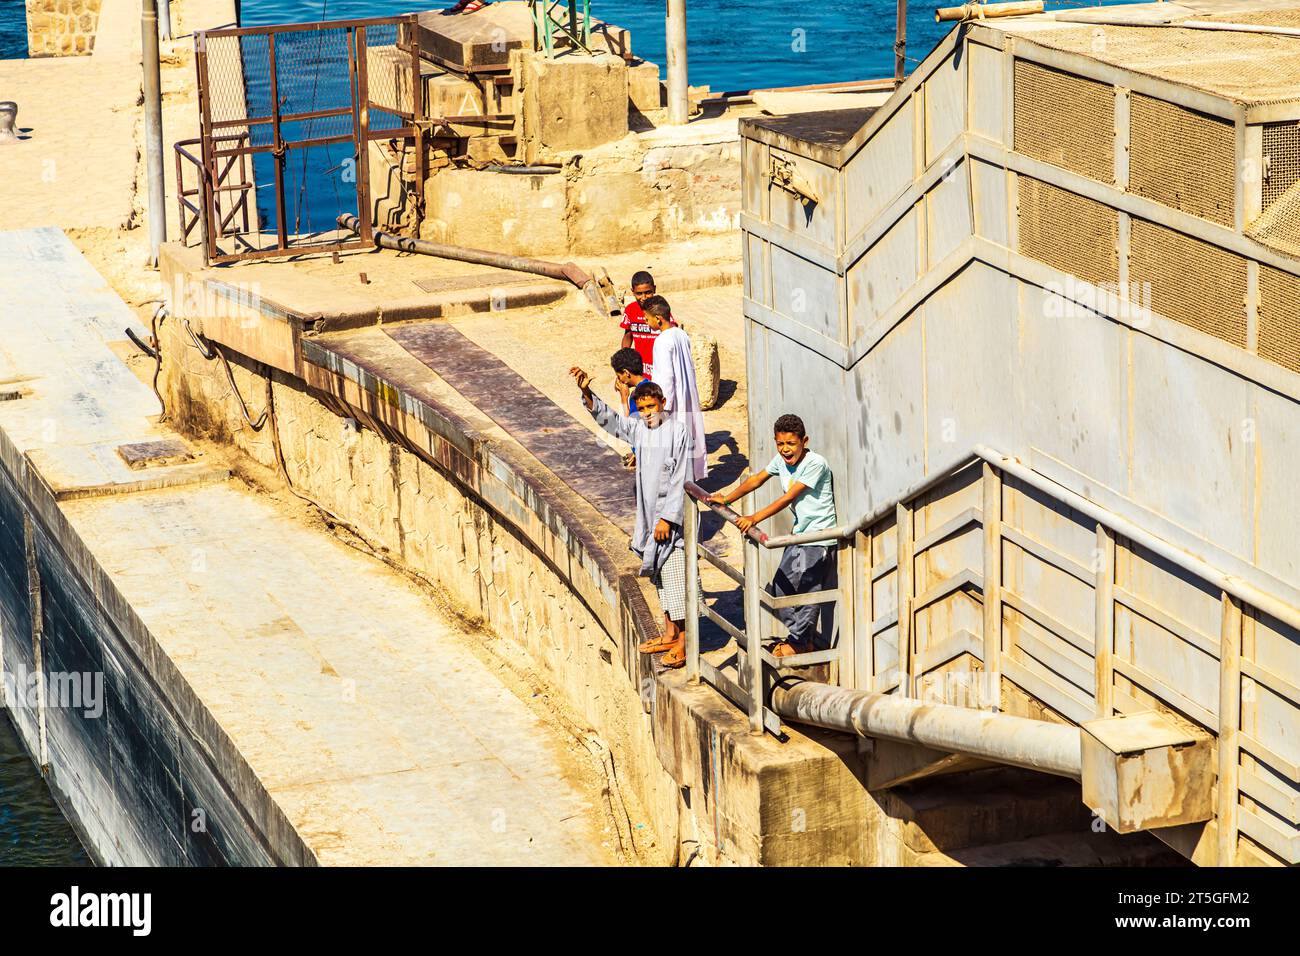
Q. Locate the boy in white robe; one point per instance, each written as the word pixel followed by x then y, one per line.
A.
pixel 675 375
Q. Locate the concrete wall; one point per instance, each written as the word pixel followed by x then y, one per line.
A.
pixel 149 778
pixel 615 198
pixel 62 27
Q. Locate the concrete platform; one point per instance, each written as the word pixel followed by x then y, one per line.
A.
pixel 368 726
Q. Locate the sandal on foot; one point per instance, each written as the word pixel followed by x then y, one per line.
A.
pixel 655 645
pixel 676 656
pixel 474 6
pixel 784 649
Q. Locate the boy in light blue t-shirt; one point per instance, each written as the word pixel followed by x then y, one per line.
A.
pixel 807 487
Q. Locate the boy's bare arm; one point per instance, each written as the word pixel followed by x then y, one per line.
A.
pixel 746 522
pixel 754 481
pixel 627 339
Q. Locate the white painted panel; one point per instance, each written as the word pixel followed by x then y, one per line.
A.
pixel 1072 382
pixel 754 178
pixel 1277 449
pixel 969 366
pixel 1190 462
pixel 945 106
pixel 879 278
pixel 814 221
pixel 886 419
pixel 948 213
pixel 987 91
pixel 806 293
pixel 755 270
pixel 989 187
pixel 881 170
pixel 1277 650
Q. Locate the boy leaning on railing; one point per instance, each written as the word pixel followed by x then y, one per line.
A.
pixel 807 486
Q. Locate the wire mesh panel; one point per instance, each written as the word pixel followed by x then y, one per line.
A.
pixel 302 103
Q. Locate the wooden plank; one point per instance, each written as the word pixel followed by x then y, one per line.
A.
pixel 958 522
pixel 905 529
pixel 1104 626
pixel 1031 545
pixel 571 452
pixel 1229 800
pixel 992 586
pixel 1167 621
pixel 1170 697
pixel 846 644
pixel 962 642
pixel 1279 685
pixel 1047 621
pixel 1053 695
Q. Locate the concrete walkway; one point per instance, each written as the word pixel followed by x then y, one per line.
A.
pixel 358 705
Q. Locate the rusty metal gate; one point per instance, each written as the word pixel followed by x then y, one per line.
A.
pixel 287 116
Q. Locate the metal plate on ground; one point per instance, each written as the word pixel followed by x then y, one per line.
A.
pixel 570 451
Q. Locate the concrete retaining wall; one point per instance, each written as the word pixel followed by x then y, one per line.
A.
pixel 146 775
pixel 62 27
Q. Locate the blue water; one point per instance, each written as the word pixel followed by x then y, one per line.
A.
pixel 13 30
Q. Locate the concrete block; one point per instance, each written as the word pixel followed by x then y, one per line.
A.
pixel 1142 771
pixel 643 87
pixel 569 102
pixel 522 215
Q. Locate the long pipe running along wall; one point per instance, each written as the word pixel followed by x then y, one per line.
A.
pixel 1017 741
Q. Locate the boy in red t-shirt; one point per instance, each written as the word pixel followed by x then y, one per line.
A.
pixel 636 333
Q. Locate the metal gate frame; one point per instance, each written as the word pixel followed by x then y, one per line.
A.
pixel 218 158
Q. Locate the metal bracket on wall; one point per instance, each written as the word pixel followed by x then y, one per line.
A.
pixel 785 175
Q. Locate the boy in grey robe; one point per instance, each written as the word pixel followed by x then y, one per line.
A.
pixel 663 457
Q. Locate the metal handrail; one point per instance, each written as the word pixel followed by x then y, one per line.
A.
pixel 1243 591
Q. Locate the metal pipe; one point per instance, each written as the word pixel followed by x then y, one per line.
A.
pixel 1015 741
pixel 988 11
pixel 1172 23
pixel 900 43
pixel 153 137
pixel 564 272
pixel 165 19
pixel 691 532
pixel 679 103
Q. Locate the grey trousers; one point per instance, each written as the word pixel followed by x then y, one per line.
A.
pixel 802 569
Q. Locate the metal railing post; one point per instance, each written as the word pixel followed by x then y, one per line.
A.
pixel 753 638
pixel 691 532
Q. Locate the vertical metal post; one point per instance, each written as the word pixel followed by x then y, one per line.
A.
pixel 1104 622
pixel 277 149
pixel 847 582
pixel 208 180
pixel 363 144
pixel 900 43
pixel 679 105
pixel 865 616
pixel 903 519
pixel 165 19
pixel 153 136
pixel 1229 729
pixel 992 509
pixel 691 532
pixel 417 114
pixel 753 638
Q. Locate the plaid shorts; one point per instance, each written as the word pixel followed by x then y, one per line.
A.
pixel 670 582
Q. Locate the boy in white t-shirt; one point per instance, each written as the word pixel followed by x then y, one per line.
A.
pixel 807 486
